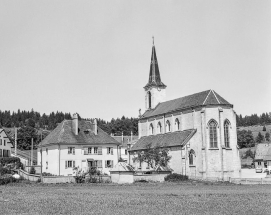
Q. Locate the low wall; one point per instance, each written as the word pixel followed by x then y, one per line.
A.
pixel 27 176
pixel 122 177
pixel 250 180
pixel 151 177
pixel 58 179
pixel 251 173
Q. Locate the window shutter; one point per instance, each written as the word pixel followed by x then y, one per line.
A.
pixel 100 152
pixel 73 164
pixel 99 163
pixel 85 151
pixel 0 152
pixel 105 162
pixel 73 151
pixel 66 164
pixel 112 164
pixel 112 151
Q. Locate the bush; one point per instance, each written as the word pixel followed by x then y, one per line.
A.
pixel 9 160
pixel 47 174
pixel 176 177
pixel 7 178
pixel 32 170
pixel 79 178
pixel 4 171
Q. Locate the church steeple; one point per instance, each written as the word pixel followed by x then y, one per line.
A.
pixel 155 89
pixel 154 75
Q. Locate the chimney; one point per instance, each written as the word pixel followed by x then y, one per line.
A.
pixel 95 127
pixel 75 123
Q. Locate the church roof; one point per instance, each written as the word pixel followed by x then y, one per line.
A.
pixel 63 134
pixel 177 138
pixel 154 76
pixel 208 97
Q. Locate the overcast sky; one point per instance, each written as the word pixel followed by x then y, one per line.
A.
pixel 93 57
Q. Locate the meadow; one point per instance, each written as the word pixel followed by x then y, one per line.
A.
pixel 138 198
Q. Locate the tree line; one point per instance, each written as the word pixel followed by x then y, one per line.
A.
pixel 253 119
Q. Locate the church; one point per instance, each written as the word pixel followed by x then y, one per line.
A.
pixel 199 130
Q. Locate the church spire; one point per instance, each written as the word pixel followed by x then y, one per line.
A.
pixel 154 75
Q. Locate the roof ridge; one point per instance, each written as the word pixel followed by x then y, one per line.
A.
pixel 60 133
pixel 216 97
pixel 206 97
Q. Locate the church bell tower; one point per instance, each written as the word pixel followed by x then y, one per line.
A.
pixel 155 89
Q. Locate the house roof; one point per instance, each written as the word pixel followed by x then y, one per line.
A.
pixel 25 153
pixel 208 97
pixel 177 138
pixel 63 134
pixel 126 139
pixel 263 151
pixel 154 75
pixel 7 134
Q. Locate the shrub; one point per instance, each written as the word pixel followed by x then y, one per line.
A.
pixel 47 174
pixel 9 160
pixel 32 170
pixel 79 178
pixel 7 178
pixel 4 171
pixel 176 177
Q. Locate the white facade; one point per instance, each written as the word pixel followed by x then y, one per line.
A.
pixel 5 144
pixel 57 160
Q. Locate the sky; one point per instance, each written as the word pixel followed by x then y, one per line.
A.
pixel 93 57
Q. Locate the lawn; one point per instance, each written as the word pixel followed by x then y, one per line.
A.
pixel 139 198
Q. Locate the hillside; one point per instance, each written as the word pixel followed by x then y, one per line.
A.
pixel 256 129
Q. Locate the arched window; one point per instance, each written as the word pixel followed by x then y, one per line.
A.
pixel 149 99
pixel 151 128
pixel 167 126
pixel 213 134
pixel 191 157
pixel 227 134
pixel 159 128
pixel 177 124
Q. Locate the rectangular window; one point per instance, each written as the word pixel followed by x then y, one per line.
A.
pixel 5 153
pixel 259 163
pixel 95 150
pixel 0 141
pixel 100 151
pixel 89 150
pixel 126 151
pixel 108 164
pixel 109 150
pixel 69 164
pixel 4 142
pixel 71 150
pixel 1 153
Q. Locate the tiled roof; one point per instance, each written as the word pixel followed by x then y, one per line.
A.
pixel 25 153
pixel 63 134
pixel 177 138
pixel 208 97
pixel 126 139
pixel 262 151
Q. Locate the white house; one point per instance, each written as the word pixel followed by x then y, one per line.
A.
pixel 5 144
pixel 199 130
pixel 77 143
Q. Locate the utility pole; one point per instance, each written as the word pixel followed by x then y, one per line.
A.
pixel 41 156
pixel 32 151
pixel 15 139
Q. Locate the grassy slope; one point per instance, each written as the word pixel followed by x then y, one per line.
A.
pixel 156 198
pixel 256 129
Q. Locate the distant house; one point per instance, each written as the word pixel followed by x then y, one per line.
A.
pixel 5 144
pixel 77 144
pixel 126 143
pixel 263 155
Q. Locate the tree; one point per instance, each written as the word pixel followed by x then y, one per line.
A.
pixel 250 153
pixel 153 156
pixel 267 136
pixel 245 138
pixel 259 138
pixel 264 128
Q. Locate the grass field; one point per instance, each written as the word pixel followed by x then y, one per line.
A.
pixel 143 198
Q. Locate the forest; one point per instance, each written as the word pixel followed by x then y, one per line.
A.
pixel 32 124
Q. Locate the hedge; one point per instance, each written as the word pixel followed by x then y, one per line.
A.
pixel 176 177
pixel 8 160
